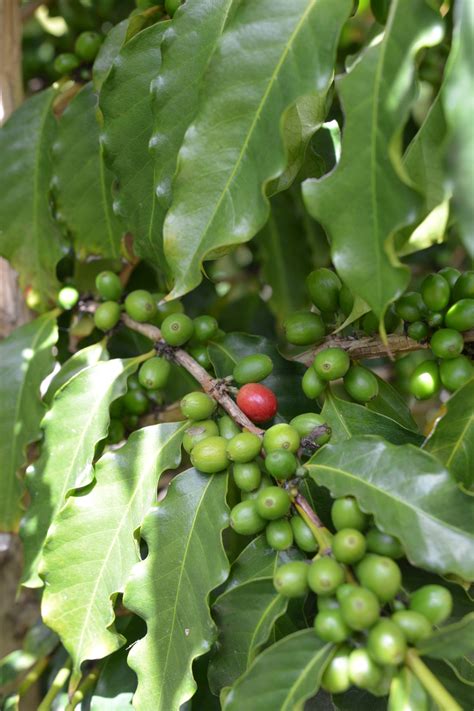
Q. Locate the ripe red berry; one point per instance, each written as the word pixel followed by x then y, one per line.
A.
pixel 257 402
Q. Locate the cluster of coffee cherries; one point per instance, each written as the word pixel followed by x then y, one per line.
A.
pixel 361 605
pixel 439 314
pixel 86 48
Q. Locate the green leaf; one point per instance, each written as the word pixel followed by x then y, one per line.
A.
pixel 452 440
pixel 376 95
pixel 285 379
pixel 29 238
pixel 451 641
pixel 458 102
pixel 109 50
pixel 359 309
pixel 77 421
pixel 125 103
pixel 82 183
pixel 170 588
pixel 406 692
pixel 348 419
pixel 390 403
pixel 26 358
pixel 91 548
pixel 283 676
pixel 234 144
pixel 410 495
pixel 445 674
pixel 245 613
pixel 77 362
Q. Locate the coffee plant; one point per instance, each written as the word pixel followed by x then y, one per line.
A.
pixel 237 432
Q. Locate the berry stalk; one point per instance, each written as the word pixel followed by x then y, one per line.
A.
pixel 435 689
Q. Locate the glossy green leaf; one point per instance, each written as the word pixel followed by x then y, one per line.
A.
pixel 29 238
pixel 285 379
pixel 458 102
pixel 234 145
pixel 77 362
pixel 109 50
pixel 77 421
pixel 283 676
pixel 26 358
pixel 359 309
pixel 125 103
pixel 348 419
pixel 390 403
pixel 170 588
pixel 245 613
pixel 443 671
pixel 411 496
pixel 452 440
pixel 376 95
pixel 82 183
pixel 451 641
pixel 406 692
pixel 91 547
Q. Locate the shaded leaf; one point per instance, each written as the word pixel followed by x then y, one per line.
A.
pixel 444 673
pixel 91 547
pixel 359 309
pixel 77 362
pixel 451 641
pixel 110 48
pixel 234 144
pixel 283 676
pixel 390 403
pixel 376 95
pixel 77 421
pixel 170 588
pixel 452 440
pixel 410 495
pixel 82 183
pixel 348 419
pixel 26 358
pixel 29 237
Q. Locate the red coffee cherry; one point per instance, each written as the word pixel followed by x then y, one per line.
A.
pixel 257 402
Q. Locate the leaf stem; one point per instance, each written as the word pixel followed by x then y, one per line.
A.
pixel 33 676
pixel 55 688
pixel 436 690
pixel 314 523
pixel 86 685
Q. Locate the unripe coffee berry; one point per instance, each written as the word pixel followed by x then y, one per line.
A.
pixel 205 328
pixel 68 297
pixel 140 305
pixel 247 476
pixel 281 464
pixel 197 432
pixel 414 625
pixel 330 627
pixel 273 503
pixel 227 427
pixel 257 402
pixel 313 386
pixel 244 447
pixel 348 546
pixel 325 575
pixel 281 436
pixel 87 45
pixel 252 369
pixel 361 384
pixel 245 520
pixel 154 373
pixel 435 292
pixel 197 406
pixel 291 579
pixel 279 534
pixel 304 328
pixel 136 402
pixel 381 575
pixel 109 286
pixel 363 671
pixel 360 608
pixel 307 422
pixel 324 286
pixel 383 544
pixel 433 601
pixel 210 455
pixel 447 343
pixel 177 329
pixel 464 287
pixel 386 643
pixel 303 536
pixel 335 679
pixel 331 363
pixel 345 513
pixel 107 315
pixel 461 315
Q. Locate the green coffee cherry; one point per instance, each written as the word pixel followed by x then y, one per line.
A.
pixel 65 63
pixel 346 300
pixel 335 679
pixel 107 315
pixel 383 544
pixel 418 330
pixel 360 608
pixel 461 315
pixel 281 436
pixel 410 307
pixel 323 287
pixel 252 369
pixel 331 363
pixel 165 308
pixel 197 406
pixel 87 45
pixel 313 386
pixel 116 408
pixel 447 343
pixel 140 305
pixel 433 601
pixel 451 275
pixel 456 372
pixel 363 672
pixel 464 287
pixel 227 427
pixel 133 383
pixel 344 590
pixel 197 432
pixel 345 513
pixel 247 476
pixel 304 424
pixel 244 447
pixel 425 380
pixel 381 575
pixel 245 520
pixel 265 482
pixel 109 286
pixel 68 297
pixel 325 576
pixel 279 534
pixel 281 464
pixel 210 455
pixel 330 627
pixel 291 579
pixel 326 602
pixel 272 503
pixel 304 328
pixel 348 546
pixel 303 536
pixel 177 329
pixel 205 328
pixel 201 355
pixel 386 643
pixel 154 373
pixel 414 625
pixel 116 432
pixel 361 384
pixel 136 402
pixel 435 292
pixel 434 319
